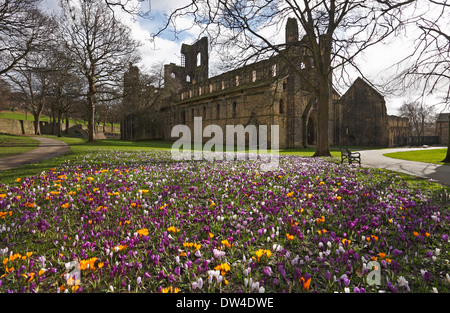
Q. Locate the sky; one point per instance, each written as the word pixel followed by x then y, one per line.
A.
pixel 375 63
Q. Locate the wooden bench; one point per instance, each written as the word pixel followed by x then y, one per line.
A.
pixel 350 156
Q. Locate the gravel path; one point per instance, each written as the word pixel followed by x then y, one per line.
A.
pixel 48 148
pixel 375 158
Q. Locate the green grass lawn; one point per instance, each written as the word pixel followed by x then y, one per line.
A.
pixel 42 118
pixel 12 144
pixel 434 156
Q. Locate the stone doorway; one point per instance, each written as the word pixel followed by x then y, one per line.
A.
pixel 311 131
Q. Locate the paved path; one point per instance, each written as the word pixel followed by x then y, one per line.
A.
pixel 375 158
pixel 48 148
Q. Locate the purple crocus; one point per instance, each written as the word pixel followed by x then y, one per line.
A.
pixel 268 271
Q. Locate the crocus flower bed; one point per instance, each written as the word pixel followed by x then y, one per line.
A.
pixel 141 222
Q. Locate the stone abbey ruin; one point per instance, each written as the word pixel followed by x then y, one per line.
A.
pixel 268 92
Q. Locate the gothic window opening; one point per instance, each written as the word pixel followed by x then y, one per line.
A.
pixel 172 75
pixel 311 131
pixel 188 78
pixel 253 76
pixel 217 111
pixel 282 109
pixel 199 59
pixel 237 80
pixel 274 70
pixel 233 109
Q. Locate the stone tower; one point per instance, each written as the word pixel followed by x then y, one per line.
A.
pixel 194 67
pixel 196 60
pixel 291 30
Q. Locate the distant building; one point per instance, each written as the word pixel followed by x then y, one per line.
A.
pixel 442 125
pixel 268 92
pixel 399 131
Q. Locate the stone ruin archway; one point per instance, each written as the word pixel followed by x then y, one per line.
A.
pixel 312 128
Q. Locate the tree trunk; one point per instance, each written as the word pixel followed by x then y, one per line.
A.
pixel 91 110
pixel 67 125
pixel 37 126
pixel 447 157
pixel 53 121
pixel 323 147
pixel 59 124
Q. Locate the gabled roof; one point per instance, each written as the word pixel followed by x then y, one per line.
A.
pixel 360 81
pixel 443 117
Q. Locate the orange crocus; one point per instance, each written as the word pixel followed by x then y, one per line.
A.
pixel 305 283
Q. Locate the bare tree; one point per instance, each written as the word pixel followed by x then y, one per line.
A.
pixel 65 85
pixel 334 34
pixel 22 28
pixel 32 78
pixel 418 114
pixel 101 47
pixel 427 68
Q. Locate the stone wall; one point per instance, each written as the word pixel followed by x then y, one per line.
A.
pixel 399 131
pixel 25 127
pixel 363 120
pixel 442 125
pixel 16 127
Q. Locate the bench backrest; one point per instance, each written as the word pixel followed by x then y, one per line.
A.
pixel 344 151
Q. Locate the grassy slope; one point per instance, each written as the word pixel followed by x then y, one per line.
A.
pixel 434 156
pixel 42 118
pixel 12 144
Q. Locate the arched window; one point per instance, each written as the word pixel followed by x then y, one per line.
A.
pixel 253 76
pixel 172 75
pixel 282 108
pixel 218 111
pixel 188 78
pixel 199 59
pixel 237 80
pixel 233 109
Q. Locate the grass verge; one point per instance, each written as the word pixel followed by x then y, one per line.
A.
pixel 13 144
pixel 434 156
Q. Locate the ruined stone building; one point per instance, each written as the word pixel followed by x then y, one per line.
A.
pixel 399 131
pixel 442 125
pixel 268 92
